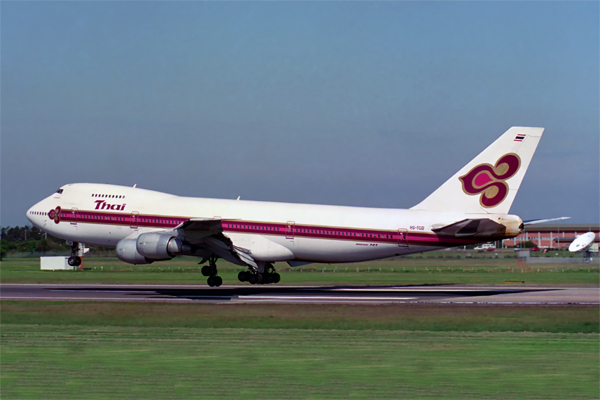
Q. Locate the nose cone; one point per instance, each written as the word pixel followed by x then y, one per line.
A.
pixel 38 214
pixel 30 214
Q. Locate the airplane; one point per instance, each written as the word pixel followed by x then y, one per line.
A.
pixel 146 226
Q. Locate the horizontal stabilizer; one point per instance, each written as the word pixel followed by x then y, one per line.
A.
pixel 543 221
pixel 472 228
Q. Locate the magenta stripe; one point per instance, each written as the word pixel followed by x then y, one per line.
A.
pixel 92 217
pixel 279 229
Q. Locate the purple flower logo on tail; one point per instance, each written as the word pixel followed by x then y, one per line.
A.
pixel 490 181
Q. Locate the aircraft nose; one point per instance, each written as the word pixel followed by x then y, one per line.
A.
pixel 29 214
pixel 37 214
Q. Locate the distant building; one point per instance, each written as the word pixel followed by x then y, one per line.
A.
pixel 552 236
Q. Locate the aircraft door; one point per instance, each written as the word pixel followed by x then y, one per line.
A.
pixel 402 238
pixel 134 219
pixel 289 230
pixel 74 216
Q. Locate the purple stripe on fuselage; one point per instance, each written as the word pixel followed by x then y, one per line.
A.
pixel 277 229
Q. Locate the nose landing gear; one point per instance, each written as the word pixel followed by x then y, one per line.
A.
pixel 74 260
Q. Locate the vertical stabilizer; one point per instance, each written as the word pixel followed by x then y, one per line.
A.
pixel 489 183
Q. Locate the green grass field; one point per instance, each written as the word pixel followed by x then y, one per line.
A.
pixel 422 317
pixel 401 271
pixel 82 362
pixel 67 350
pixel 154 351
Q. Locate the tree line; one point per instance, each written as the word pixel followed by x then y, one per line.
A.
pixel 33 241
pixel 27 239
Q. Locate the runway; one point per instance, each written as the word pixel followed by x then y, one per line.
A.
pixel 240 294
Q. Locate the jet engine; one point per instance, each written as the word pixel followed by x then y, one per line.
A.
pixel 127 252
pixel 150 247
pixel 160 246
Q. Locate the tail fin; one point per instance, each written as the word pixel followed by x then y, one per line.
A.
pixel 489 183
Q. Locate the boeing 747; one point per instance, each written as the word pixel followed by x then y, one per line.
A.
pixel 146 226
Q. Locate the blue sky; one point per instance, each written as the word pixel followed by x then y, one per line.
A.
pixel 353 103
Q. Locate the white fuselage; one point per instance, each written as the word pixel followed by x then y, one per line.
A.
pixel 102 215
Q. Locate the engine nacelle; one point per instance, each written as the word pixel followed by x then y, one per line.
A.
pixel 127 252
pixel 160 246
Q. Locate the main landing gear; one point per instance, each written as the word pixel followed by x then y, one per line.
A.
pixel 267 276
pixel 74 260
pixel 210 270
pixel 265 273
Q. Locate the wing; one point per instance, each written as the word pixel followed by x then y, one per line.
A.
pixel 207 234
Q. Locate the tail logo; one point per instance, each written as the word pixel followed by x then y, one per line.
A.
pixel 490 181
pixel 55 214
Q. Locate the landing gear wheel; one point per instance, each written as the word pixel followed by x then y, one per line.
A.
pixel 210 270
pixel 207 270
pixel 74 261
pixel 275 277
pixel 262 276
pixel 269 276
pixel 244 276
pixel 214 281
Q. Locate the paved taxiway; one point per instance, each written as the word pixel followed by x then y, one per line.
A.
pixel 303 294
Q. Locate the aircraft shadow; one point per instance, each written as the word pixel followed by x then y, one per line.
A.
pixel 324 292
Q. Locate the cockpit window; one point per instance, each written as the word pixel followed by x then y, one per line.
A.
pixel 59 191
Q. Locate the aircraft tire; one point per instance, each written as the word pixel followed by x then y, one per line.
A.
pixel 207 270
pixel 253 279
pixel 244 276
pixel 74 261
pixel 275 277
pixel 214 281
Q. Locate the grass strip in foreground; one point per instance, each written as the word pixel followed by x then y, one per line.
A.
pixel 95 362
pixel 423 317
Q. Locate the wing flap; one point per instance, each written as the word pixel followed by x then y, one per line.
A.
pixel 245 256
pixel 207 233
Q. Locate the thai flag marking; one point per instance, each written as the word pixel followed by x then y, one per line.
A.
pixel 519 138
